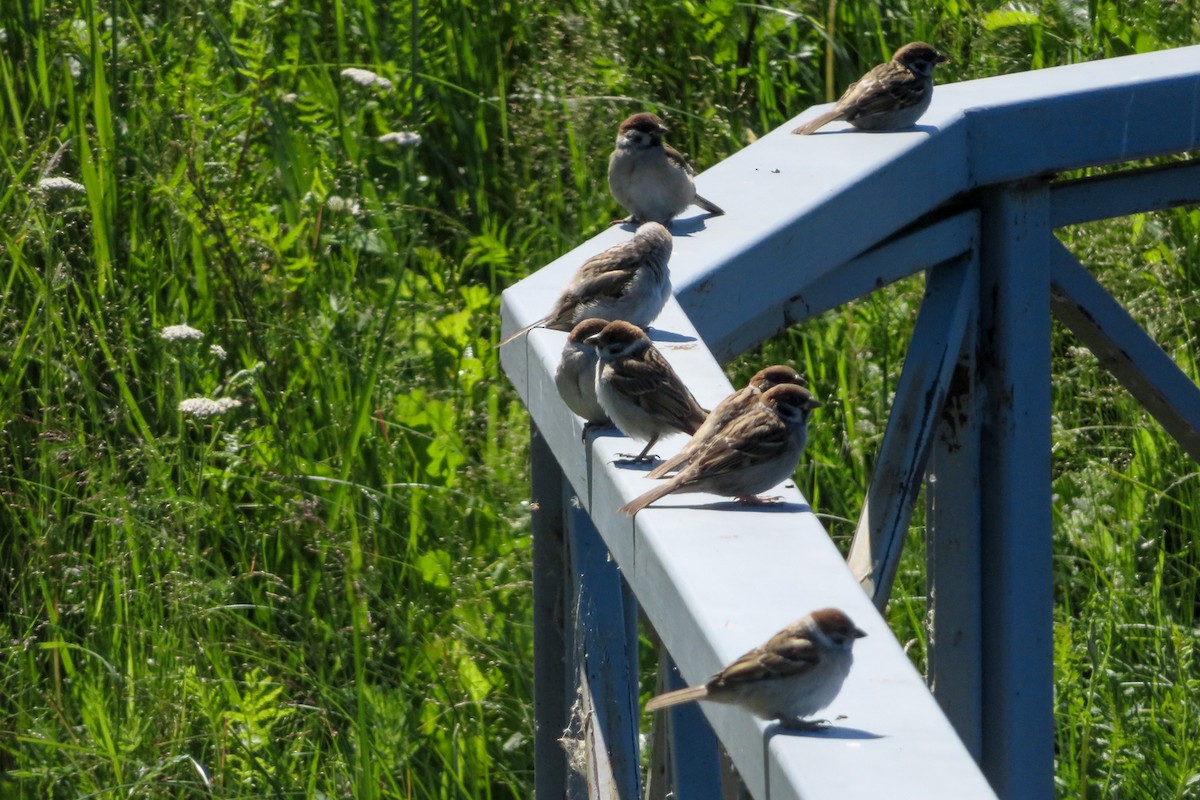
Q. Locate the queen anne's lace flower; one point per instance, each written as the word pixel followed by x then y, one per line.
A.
pixel 343 205
pixel 364 77
pixel 207 407
pixel 401 138
pixel 181 333
pixel 60 184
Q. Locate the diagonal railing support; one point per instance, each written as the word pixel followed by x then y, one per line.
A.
pixel 951 295
pixel 1125 349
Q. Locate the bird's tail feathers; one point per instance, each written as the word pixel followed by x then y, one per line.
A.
pixel 657 493
pixel 816 122
pixel 672 464
pixel 676 697
pixel 709 206
pixel 540 323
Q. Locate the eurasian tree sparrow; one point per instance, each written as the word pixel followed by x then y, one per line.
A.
pixel 576 373
pixel 651 179
pixel 798 672
pixel 628 281
pixel 639 390
pixel 726 411
pixel 891 97
pixel 758 449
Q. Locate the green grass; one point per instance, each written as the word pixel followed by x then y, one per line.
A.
pixel 324 590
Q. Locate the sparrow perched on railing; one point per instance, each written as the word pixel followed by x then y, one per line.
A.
pixel 891 97
pixel 628 281
pixel 576 373
pixel 639 390
pixel 651 179
pixel 798 672
pixel 758 449
pixel 726 411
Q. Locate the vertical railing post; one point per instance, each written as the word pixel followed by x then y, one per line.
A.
pixel 604 660
pixel 686 759
pixel 551 704
pixel 1015 511
pixel 952 543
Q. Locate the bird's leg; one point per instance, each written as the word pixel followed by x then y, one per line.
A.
pixel 642 457
pixel 755 500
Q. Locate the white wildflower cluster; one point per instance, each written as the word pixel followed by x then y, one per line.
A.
pixel 181 333
pixel 364 77
pixel 203 407
pixel 217 351
pixel 60 184
pixel 401 138
pixel 343 205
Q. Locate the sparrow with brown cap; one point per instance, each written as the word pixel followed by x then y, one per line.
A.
pixel 728 410
pixel 651 179
pixel 575 376
pixel 639 390
pixel 628 281
pixel 758 449
pixel 798 672
pixel 891 97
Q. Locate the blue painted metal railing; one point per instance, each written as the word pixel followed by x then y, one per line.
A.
pixel 969 198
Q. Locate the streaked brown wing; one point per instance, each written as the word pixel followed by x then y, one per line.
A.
pixel 879 91
pixel 606 284
pixel 634 378
pixel 751 439
pixel 676 158
pixel 785 655
pixel 623 257
pixel 654 385
pixel 609 284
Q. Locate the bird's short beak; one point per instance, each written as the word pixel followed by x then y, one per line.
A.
pixel 859 633
pixel 594 341
pixel 813 403
pixel 942 59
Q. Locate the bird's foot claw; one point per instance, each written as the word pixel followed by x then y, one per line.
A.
pixel 755 500
pixel 797 724
pixel 628 458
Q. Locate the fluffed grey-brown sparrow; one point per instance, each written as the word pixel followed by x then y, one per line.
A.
pixel 649 178
pixel 891 97
pixel 727 410
pixel 639 390
pixel 758 449
pixel 628 281
pixel 576 373
pixel 798 672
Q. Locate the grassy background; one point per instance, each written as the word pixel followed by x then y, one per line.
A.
pixel 324 591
